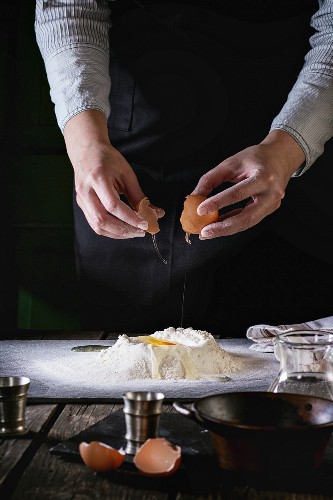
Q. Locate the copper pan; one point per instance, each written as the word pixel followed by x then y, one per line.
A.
pixel 265 432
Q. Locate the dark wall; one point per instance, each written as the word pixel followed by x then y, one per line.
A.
pixel 38 273
pixel 38 263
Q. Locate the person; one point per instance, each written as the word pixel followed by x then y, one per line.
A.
pixel 164 102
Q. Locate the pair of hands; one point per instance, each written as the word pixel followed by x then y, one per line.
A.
pixel 259 173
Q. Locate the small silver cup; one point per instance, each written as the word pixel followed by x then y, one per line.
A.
pixel 142 415
pixel 13 398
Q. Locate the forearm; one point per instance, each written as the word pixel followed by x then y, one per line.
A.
pixel 73 38
pixel 86 131
pixel 285 147
pixel 307 116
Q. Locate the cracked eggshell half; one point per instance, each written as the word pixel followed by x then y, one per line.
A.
pixel 157 457
pixel 149 214
pixel 191 222
pixel 101 457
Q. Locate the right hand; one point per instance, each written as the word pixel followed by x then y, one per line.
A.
pixel 101 175
pixel 259 176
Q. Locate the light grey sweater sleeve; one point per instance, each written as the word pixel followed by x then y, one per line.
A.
pixel 308 113
pixel 73 38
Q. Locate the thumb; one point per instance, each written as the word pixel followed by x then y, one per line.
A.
pixel 135 195
pixel 133 191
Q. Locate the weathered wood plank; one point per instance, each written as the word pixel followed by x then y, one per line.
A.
pixel 38 416
pixel 76 418
pixel 48 477
pixel 246 493
pixel 254 494
pixel 12 450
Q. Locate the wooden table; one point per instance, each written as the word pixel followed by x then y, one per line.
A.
pixel 29 471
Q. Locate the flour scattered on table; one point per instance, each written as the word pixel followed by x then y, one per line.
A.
pixel 170 354
pixel 58 372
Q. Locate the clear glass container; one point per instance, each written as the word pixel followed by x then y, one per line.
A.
pixel 306 363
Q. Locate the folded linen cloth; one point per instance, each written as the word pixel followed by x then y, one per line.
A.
pixel 263 335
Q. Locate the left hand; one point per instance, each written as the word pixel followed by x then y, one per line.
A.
pixel 260 173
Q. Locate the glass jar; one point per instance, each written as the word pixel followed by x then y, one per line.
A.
pixel 306 363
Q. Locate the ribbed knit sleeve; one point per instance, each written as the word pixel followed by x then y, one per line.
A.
pixel 73 38
pixel 308 113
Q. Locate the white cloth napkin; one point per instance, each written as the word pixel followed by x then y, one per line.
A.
pixel 263 335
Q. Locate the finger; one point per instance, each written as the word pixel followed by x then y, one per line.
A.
pixel 104 223
pixel 135 195
pixel 237 221
pixel 205 235
pixel 241 191
pixel 214 178
pixel 117 232
pixel 112 203
pixel 133 191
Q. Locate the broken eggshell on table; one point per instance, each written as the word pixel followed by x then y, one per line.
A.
pixel 101 457
pixel 156 457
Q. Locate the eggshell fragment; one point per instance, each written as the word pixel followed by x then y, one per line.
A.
pixel 100 457
pixel 191 222
pixel 157 457
pixel 149 214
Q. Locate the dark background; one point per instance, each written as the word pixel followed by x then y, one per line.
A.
pixel 39 286
pixel 38 273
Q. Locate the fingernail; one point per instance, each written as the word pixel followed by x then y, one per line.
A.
pixel 205 234
pixel 202 211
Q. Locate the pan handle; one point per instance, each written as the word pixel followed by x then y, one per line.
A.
pixel 187 412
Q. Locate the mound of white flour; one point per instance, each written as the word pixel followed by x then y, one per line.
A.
pixel 194 355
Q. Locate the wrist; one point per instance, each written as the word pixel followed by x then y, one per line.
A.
pixel 85 130
pixel 287 148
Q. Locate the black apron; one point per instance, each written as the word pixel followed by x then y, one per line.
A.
pixel 191 86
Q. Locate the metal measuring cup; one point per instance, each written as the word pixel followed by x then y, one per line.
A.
pixel 142 414
pixel 13 398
